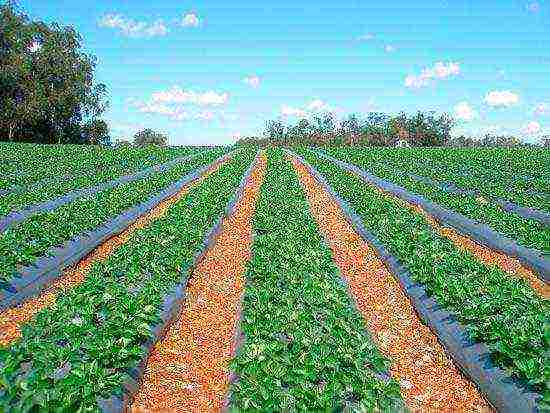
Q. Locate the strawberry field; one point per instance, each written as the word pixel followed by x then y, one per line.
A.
pixel 251 279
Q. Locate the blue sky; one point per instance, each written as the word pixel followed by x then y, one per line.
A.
pixel 207 71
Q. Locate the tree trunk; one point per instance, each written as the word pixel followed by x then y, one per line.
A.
pixel 10 133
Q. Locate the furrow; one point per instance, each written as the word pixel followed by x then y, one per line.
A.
pixel 12 319
pixel 188 370
pixel 429 380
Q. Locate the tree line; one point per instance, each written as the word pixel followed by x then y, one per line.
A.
pixel 374 129
pixel 48 92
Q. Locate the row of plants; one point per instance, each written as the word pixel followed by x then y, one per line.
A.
pixel 75 169
pixel 23 164
pixel 306 347
pixel 494 173
pixel 497 309
pixel 23 244
pixel 526 232
pixel 81 348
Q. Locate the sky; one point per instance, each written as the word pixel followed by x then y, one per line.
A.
pixel 207 72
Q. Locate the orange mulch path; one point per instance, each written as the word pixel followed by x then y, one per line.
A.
pixel 430 382
pixel 486 255
pixel 12 319
pixel 188 370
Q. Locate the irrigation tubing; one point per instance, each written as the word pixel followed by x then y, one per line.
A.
pixel 16 217
pixel 479 232
pixel 171 307
pixel 506 394
pixel 32 280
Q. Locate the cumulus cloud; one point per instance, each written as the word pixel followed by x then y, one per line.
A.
pixel 190 20
pixel 366 37
pixel 174 113
pixel 315 106
pixel 132 28
pixel 464 111
pixel 290 111
pixel 541 109
pixel 439 71
pixel 503 98
pixel 532 128
pixel 178 95
pixel 205 115
pixel 253 81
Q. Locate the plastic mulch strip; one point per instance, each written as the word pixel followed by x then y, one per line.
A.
pixel 502 391
pixel 172 305
pixel 481 233
pixel 32 280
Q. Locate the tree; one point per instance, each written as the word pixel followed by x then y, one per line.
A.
pixel 96 132
pixel 47 87
pixel 275 130
pixel 150 137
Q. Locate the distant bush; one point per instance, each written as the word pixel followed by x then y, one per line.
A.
pixel 150 137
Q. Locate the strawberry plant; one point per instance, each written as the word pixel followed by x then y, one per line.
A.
pixel 306 347
pixel 80 349
pixel 498 309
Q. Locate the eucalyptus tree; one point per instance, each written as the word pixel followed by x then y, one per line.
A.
pixel 47 84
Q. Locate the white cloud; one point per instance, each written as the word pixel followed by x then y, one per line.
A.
pixel 190 20
pixel 290 111
pixel 35 47
pixel 389 48
pixel 503 98
pixel 317 105
pixel 178 95
pixel 439 71
pixel 464 111
pixel 541 109
pixel 253 81
pixel 415 82
pixel 132 28
pixel 205 115
pixel 366 37
pixel 532 128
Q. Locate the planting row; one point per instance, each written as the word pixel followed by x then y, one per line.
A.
pixel 497 309
pixel 22 244
pixel 75 170
pixel 529 233
pixel 305 346
pixel 484 171
pixel 23 164
pixel 80 350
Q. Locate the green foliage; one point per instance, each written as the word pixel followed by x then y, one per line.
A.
pixel 81 348
pixel 376 129
pixel 493 172
pixel 39 173
pixel 23 244
pixel 306 347
pixel 150 137
pixel 47 84
pixel 498 309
